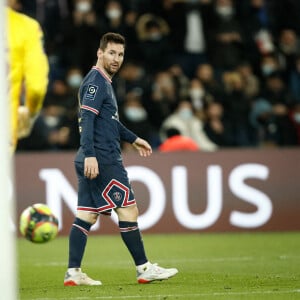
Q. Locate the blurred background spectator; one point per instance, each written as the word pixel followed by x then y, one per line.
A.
pixel 216 127
pixel 237 105
pixel 177 142
pixel 185 121
pixel 235 62
pixel 153 42
pixel 134 116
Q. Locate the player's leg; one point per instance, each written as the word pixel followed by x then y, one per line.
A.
pixel 78 237
pixel 146 271
pixel 130 233
pixel 79 232
pixel 77 242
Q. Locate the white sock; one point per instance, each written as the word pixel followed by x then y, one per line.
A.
pixel 142 268
pixel 74 270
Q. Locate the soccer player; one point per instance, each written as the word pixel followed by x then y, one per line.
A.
pixel 103 184
pixel 28 71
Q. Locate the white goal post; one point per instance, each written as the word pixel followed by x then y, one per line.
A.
pixel 8 278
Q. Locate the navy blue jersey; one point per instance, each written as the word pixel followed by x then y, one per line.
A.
pixel 100 129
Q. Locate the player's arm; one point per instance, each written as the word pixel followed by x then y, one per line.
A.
pixel 138 143
pixel 91 168
pixel 89 109
pixel 126 134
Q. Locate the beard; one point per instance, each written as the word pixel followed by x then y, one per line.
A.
pixel 111 69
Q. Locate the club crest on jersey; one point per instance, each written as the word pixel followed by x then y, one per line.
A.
pixel 91 92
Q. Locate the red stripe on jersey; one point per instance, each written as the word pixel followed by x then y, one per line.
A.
pixel 95 111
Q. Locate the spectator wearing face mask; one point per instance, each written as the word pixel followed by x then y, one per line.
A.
pixel 132 76
pixel 120 16
pixel 134 116
pixel 112 20
pixel 49 131
pixel 199 97
pixel 73 79
pixel 269 64
pixel 226 40
pixel 184 120
pixel 78 44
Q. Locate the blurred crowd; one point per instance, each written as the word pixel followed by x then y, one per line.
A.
pixel 223 73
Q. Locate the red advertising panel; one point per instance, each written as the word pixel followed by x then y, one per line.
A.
pixel 228 190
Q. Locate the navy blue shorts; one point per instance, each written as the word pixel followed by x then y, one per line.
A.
pixel 110 189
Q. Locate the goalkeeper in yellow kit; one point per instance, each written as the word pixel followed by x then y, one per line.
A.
pixel 27 70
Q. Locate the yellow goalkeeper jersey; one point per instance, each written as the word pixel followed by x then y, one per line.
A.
pixel 27 67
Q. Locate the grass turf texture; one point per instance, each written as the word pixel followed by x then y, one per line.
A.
pixel 211 266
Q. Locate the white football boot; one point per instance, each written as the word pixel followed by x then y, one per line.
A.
pixel 75 277
pixel 154 272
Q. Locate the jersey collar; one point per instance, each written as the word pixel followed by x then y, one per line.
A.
pixel 102 73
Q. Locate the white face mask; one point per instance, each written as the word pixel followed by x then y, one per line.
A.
pixel 51 121
pixel 74 80
pixel 185 114
pixel 224 11
pixel 297 118
pixel 135 114
pixel 155 36
pixel 267 69
pixel 196 93
pixel 113 13
pixel 83 6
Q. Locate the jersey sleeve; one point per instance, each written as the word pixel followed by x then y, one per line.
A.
pixel 91 102
pixel 126 134
pixel 87 133
pixel 36 67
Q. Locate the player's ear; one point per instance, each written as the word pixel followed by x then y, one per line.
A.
pixel 99 53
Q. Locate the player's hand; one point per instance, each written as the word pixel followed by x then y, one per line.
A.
pixel 25 122
pixel 142 147
pixel 91 169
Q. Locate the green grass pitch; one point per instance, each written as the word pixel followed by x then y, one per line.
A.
pixel 211 266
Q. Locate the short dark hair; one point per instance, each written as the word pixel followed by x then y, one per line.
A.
pixel 111 37
pixel 172 131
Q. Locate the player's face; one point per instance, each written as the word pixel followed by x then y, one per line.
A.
pixel 112 58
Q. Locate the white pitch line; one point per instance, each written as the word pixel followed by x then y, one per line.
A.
pixel 185 260
pixel 270 292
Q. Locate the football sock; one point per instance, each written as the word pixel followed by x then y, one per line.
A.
pixel 77 242
pixel 133 240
